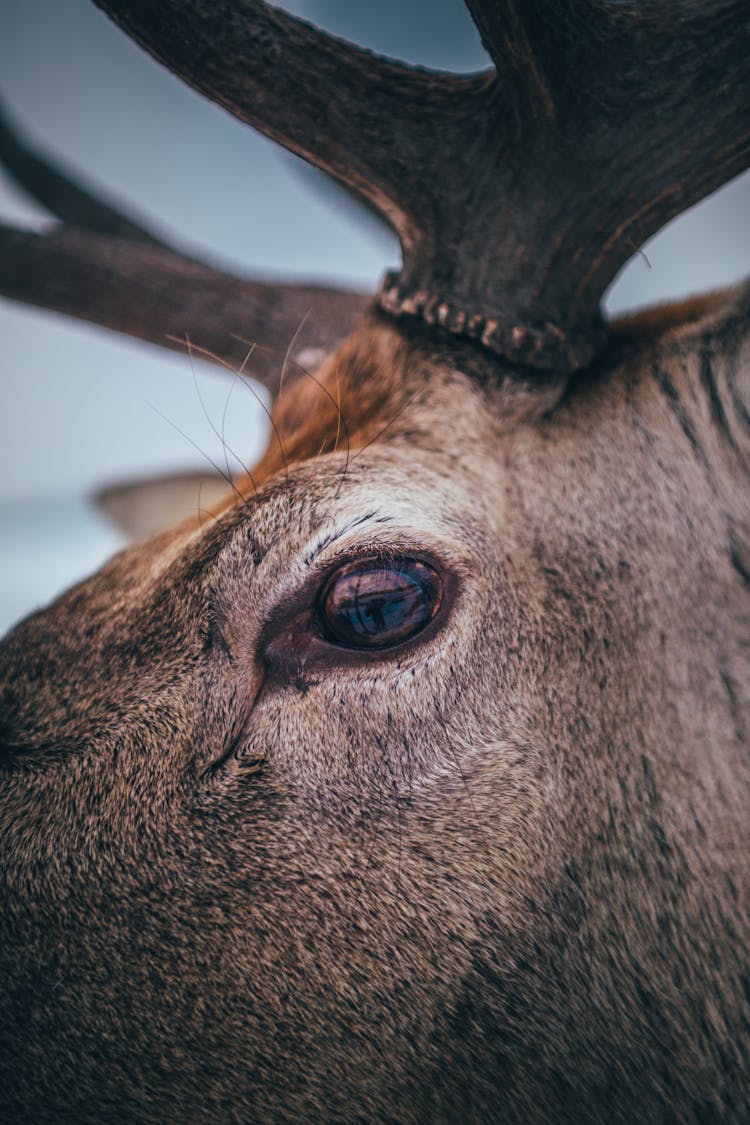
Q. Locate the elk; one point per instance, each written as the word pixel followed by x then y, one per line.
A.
pixel 412 783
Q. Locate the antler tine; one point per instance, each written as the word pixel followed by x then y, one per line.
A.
pixel 621 115
pixel 519 193
pixel 152 294
pixel 59 193
pixel 364 119
pixel 624 115
pixel 555 55
pixel 102 266
pixel 532 44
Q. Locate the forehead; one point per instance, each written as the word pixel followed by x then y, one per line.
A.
pixel 388 435
pixel 386 498
pixel 379 403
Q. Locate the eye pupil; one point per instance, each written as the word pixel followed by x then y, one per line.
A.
pixel 372 604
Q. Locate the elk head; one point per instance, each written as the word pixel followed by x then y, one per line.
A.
pixel 412 784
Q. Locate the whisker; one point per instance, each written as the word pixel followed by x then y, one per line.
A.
pixel 218 520
pixel 225 447
pixel 240 372
pixel 228 367
pixel 341 419
pixel 288 351
pixel 246 360
pixel 211 462
pixel 201 512
pixel 338 409
pixel 387 426
pixel 207 512
pixel 249 387
pixel 338 432
pixel 252 344
pixel 223 430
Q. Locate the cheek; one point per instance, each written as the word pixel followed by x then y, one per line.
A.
pixel 349 745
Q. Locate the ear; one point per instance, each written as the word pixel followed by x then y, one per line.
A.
pixel 141 508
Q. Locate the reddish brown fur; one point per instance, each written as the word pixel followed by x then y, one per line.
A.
pixel 340 407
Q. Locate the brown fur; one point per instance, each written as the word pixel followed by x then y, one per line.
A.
pixel 498 874
pixel 342 406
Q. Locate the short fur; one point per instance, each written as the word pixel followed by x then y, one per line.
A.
pixel 497 874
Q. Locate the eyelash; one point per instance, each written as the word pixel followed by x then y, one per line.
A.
pixel 294 637
pixel 374 605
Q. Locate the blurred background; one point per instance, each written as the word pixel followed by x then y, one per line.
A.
pixel 82 407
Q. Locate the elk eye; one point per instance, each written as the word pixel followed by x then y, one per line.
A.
pixel 374 604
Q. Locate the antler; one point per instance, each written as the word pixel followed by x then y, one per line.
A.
pixel 516 194
pixel 102 266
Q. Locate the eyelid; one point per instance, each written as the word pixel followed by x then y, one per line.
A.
pixel 409 535
pixel 293 649
pixel 406 585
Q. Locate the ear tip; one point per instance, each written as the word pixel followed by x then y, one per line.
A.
pixel 142 508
